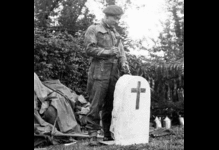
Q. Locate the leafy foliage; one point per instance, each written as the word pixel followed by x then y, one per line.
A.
pixel 75 16
pixel 59 55
pixel 166 82
pixel 165 73
pixel 171 40
pixel 43 9
pixel 59 51
pixel 69 15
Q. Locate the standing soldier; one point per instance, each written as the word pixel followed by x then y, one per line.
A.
pixel 103 45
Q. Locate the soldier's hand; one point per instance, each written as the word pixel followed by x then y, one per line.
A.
pixel 107 53
pixel 115 51
pixel 125 69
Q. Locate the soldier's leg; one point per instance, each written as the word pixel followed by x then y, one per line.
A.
pixel 97 96
pixel 108 107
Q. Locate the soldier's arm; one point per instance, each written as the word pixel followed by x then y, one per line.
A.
pixel 123 60
pixel 122 55
pixel 91 44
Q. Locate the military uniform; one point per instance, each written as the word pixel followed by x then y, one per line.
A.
pixel 103 74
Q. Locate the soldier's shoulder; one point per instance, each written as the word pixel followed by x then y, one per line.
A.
pixel 94 26
pixel 91 29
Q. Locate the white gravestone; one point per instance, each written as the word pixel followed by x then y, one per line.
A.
pixel 181 121
pixel 158 123
pixel 167 123
pixel 131 111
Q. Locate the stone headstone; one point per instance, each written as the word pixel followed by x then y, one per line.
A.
pixel 157 123
pixel 167 123
pixel 131 111
pixel 181 121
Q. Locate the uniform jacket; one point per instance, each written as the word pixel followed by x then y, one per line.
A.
pixel 100 37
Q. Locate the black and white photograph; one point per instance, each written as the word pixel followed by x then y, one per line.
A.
pixel 108 74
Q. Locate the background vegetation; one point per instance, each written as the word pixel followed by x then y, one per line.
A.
pixel 59 50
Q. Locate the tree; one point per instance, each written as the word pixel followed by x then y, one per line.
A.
pixel 71 15
pixel 72 10
pixel 171 40
pixel 61 55
pixel 42 11
pixel 165 74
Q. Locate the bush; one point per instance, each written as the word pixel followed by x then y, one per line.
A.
pixel 166 81
pixel 58 55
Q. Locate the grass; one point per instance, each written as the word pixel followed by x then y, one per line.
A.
pixel 170 142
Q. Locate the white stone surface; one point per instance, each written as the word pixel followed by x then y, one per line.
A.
pixel 167 123
pixel 158 123
pixel 129 124
pixel 181 121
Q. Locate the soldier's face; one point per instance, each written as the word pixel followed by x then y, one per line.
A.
pixel 113 20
